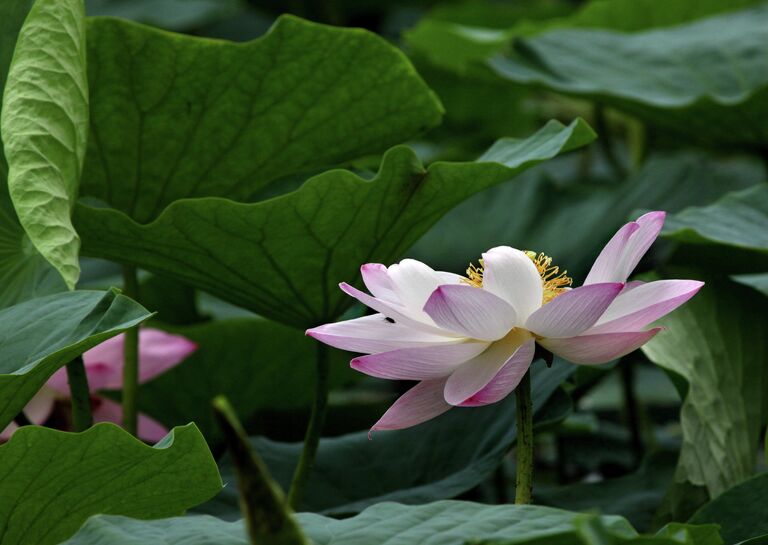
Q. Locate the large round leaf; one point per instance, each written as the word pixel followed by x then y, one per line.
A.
pixel 284 257
pixel 53 481
pixel 440 523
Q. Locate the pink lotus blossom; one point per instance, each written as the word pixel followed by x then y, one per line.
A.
pixel 470 340
pixel 158 350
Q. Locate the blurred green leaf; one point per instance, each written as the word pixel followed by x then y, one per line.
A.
pixel 740 511
pixel 256 363
pixel 45 128
pixel 169 14
pixel 439 459
pixel 739 219
pixel 53 481
pixel 757 281
pixel 636 496
pixel 175 116
pixel 549 208
pixel 716 342
pixel 39 336
pixel 704 80
pixel 439 523
pixel 284 257
pixel 459 35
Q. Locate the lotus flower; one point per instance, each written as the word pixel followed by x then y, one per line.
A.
pixel 470 340
pixel 158 351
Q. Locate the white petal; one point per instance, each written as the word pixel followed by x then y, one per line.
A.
pixel 414 282
pixel 511 275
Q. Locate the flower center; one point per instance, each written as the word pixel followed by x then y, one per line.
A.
pixel 554 281
pixel 474 275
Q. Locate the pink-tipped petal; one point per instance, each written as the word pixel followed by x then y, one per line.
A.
pixel 505 380
pixel 396 312
pixel 474 375
pixel 470 311
pixel 106 410
pixel 376 279
pixel 419 404
pixel 573 311
pixel 511 275
pixel 103 365
pixel 634 309
pixel 372 334
pixel 418 363
pixel 624 251
pixel 158 352
pixel 607 266
pixel 600 348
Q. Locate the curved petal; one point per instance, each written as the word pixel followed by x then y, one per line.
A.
pixel 634 309
pixel 103 365
pixel 106 410
pixel 419 404
pixel 376 279
pixel 12 427
pixel 374 333
pixel 510 274
pixel 158 352
pixel 414 282
pixel 506 379
pixel 600 348
pixel 624 251
pixel 573 311
pixel 470 311
pixel 396 312
pixel 474 375
pixel 418 363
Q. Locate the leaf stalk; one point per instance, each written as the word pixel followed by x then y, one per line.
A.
pixel 314 430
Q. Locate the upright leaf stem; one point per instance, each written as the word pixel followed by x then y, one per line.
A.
pixel 524 450
pixel 267 518
pixel 80 395
pixel 314 429
pixel 131 357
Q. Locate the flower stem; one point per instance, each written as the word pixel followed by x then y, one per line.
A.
pixel 524 450
pixel 632 410
pixel 131 357
pixel 315 427
pixel 80 395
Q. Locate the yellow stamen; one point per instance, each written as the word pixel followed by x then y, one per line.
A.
pixel 555 282
pixel 474 275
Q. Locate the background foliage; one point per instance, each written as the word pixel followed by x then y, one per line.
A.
pixel 247 160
